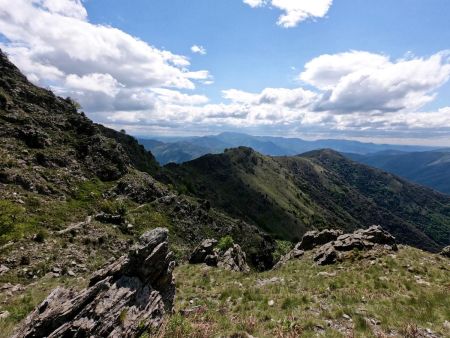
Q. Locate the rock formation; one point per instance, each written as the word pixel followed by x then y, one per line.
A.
pixel 313 239
pixel 329 244
pixel 232 259
pixel 125 299
pixel 203 250
pixel 362 239
pixel 293 254
pixel 310 240
pixel 446 251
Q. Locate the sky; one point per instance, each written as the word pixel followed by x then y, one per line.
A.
pixel 367 70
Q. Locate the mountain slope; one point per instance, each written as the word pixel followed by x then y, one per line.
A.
pixel 288 195
pixel 60 170
pixel 430 168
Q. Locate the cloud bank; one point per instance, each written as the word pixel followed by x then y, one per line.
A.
pixel 125 82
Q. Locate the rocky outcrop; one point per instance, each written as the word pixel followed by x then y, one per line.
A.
pixel 446 252
pixel 293 254
pixel 231 259
pixel 125 299
pixel 234 259
pixel 202 251
pixel 310 240
pixel 313 239
pixel 140 187
pixel 330 244
pixel 362 239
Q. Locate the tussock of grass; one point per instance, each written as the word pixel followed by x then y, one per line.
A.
pixel 388 292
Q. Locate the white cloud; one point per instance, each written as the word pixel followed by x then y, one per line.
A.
pixel 255 3
pixel 94 82
pixel 364 82
pixel 198 49
pixel 295 11
pixel 78 47
pixel 51 40
pixel 70 8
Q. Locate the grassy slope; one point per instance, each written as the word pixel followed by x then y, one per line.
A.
pixel 287 195
pixel 397 294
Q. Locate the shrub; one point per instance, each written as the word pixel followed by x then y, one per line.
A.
pixel 225 243
pixel 283 247
pixel 41 236
pixel 114 207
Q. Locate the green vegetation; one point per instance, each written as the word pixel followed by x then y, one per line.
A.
pixel 283 247
pixel 359 299
pixel 12 220
pixel 288 195
pixel 225 243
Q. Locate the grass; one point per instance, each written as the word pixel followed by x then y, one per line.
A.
pixel 22 303
pixel 397 293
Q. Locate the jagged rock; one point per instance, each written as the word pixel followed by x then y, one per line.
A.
pixel 234 259
pixel 293 254
pixel 124 299
pixel 3 269
pixel 139 186
pixel 212 260
pixel 313 239
pixel 4 314
pixel 362 239
pixel 310 240
pixel 446 251
pixel 33 137
pixel 109 218
pixel 327 255
pixel 202 251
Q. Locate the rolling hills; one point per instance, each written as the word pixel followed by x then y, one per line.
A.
pixel 288 195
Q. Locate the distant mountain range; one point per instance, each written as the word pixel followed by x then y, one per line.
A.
pixel 180 150
pixel 430 168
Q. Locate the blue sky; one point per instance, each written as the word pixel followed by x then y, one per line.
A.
pixel 253 75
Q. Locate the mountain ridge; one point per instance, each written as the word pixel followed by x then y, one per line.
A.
pixel 291 194
pixel 180 150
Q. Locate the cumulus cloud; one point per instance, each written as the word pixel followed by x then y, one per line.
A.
pixel 198 49
pixel 295 11
pixel 53 42
pixel 364 82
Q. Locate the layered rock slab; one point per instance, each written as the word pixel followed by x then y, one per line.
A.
pixel 125 299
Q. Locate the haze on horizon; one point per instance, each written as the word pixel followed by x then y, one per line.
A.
pixel 349 69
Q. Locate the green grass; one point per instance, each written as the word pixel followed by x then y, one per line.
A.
pixel 307 303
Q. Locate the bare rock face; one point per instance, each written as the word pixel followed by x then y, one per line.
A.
pixel 313 239
pixel 362 239
pixel 446 252
pixel 234 259
pixel 293 254
pixel 202 251
pixel 125 299
pixel 310 240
